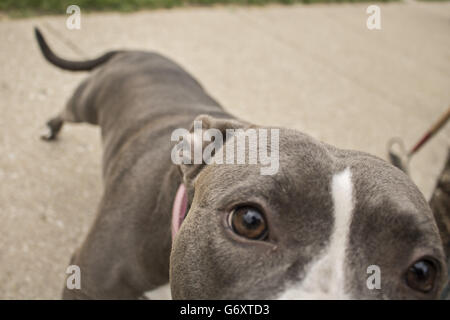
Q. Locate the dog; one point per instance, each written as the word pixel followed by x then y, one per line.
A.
pixel 329 224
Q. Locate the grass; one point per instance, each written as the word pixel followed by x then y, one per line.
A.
pixel 21 8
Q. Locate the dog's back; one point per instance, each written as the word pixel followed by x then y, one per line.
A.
pixel 137 98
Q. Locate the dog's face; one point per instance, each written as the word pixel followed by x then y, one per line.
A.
pixel 330 224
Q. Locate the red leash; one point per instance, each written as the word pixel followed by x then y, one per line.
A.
pixel 431 132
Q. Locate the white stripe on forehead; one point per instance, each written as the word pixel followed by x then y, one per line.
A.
pixel 325 276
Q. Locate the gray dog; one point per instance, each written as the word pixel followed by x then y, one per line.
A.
pixel 330 224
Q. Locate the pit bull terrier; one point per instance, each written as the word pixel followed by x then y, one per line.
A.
pixel 322 227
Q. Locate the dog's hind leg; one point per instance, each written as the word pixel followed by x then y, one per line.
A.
pixel 78 109
pixel 53 126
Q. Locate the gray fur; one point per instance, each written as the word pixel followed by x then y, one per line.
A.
pixel 138 99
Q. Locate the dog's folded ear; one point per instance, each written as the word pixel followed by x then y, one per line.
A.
pixel 440 205
pixel 198 146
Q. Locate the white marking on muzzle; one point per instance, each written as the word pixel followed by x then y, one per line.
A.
pixel 325 276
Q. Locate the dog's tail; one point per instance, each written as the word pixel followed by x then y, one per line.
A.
pixel 86 65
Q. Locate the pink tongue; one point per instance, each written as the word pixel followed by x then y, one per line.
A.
pixel 179 209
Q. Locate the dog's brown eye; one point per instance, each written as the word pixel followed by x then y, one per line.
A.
pixel 421 275
pixel 248 222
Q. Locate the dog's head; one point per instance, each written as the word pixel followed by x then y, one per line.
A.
pixel 328 223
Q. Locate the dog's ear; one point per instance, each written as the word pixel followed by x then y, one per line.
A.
pixel 440 204
pixel 206 135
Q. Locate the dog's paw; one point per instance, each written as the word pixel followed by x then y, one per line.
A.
pixel 48 134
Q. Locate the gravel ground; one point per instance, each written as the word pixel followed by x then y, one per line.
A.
pixel 316 68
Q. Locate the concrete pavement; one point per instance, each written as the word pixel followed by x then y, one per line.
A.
pixel 316 68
